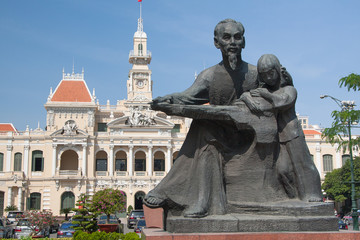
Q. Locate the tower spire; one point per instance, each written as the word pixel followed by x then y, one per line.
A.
pixel 73 72
pixel 140 20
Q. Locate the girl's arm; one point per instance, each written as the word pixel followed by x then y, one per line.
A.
pixel 282 99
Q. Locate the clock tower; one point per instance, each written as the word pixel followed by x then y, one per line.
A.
pixel 139 84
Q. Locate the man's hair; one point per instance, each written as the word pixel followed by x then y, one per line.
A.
pixel 228 20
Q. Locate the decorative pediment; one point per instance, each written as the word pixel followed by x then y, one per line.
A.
pixel 140 121
pixel 69 129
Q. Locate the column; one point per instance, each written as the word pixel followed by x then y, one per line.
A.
pixel 19 198
pixel 53 169
pixel 131 159
pixel 168 159
pixel 318 159
pixel 9 196
pixel 150 161
pixel 26 160
pixel 338 157
pixel 84 161
pixel 8 157
pixel 111 161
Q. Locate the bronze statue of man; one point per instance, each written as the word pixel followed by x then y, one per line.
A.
pixel 230 152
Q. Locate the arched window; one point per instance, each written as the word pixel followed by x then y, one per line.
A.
pixel 140 49
pixel 175 154
pixel 37 161
pixel 69 160
pixel 17 162
pixel 345 158
pixel 1 162
pixel 140 161
pixel 101 161
pixel 328 163
pixel 35 201
pixel 159 161
pixel 120 161
pixel 67 200
pixel 138 201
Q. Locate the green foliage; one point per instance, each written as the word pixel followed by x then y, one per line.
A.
pixel 340 129
pixel 337 183
pixel 83 216
pixel 40 219
pixel 351 81
pixel 129 209
pixel 80 235
pixel 108 201
pixel 11 208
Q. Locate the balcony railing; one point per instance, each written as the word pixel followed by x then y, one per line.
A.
pixel 101 173
pixel 121 173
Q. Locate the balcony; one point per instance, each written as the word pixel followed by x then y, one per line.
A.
pixel 101 173
pixel 121 173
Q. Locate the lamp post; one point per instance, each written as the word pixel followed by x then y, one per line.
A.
pixel 347 106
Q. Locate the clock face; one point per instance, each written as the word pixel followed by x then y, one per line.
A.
pixel 140 83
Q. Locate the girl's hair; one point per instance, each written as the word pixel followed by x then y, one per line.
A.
pixel 270 61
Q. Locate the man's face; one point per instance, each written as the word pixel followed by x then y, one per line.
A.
pixel 230 39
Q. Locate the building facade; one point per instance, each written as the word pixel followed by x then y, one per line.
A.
pixel 86 146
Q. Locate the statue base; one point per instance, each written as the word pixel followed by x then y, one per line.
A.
pixel 290 216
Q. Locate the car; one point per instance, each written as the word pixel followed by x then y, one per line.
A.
pixel 13 216
pixel 113 219
pixel 54 227
pixel 342 225
pixel 24 229
pixel 66 230
pixel 140 225
pixel 6 230
pixel 134 216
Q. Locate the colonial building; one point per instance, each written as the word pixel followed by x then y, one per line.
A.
pixel 87 146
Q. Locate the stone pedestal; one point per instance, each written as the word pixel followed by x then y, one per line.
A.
pixel 158 234
pixel 280 216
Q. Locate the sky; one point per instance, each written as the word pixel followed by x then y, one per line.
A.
pixel 317 41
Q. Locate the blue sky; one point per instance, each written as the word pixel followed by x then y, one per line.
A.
pixel 317 41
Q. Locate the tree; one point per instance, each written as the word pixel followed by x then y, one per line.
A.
pixel 337 183
pixel 11 208
pixel 40 220
pixel 83 215
pixel 65 211
pixel 109 201
pixel 340 129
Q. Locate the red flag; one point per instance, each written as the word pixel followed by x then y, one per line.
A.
pixel 139 0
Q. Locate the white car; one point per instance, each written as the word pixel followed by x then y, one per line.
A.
pixel 23 229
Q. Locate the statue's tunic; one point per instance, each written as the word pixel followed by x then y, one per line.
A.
pixel 223 136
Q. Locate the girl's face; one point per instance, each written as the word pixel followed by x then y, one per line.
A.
pixel 269 76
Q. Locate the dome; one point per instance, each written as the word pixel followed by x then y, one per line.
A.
pixel 139 34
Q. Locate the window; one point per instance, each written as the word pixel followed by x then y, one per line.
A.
pixel 17 162
pixel 140 165
pixel 102 127
pixel 140 48
pixel 328 163
pixel 120 165
pixel 345 158
pixel 101 165
pixel 140 161
pixel 67 200
pixel 176 128
pixel 159 165
pixel 1 162
pixel 37 161
pixel 35 201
